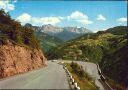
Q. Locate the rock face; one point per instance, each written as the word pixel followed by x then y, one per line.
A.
pixel 15 59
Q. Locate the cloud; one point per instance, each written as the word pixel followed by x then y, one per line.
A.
pixel 45 20
pixel 121 20
pixel 6 6
pixel 53 20
pixel 96 30
pixel 101 17
pixel 50 20
pixel 26 18
pixel 15 1
pixel 79 17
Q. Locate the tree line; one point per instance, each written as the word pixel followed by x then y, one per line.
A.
pixel 11 29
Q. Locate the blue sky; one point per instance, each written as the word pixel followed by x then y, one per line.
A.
pixel 94 15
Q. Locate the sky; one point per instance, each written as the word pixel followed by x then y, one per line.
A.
pixel 93 15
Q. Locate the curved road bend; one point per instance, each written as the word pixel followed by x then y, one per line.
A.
pixel 91 68
pixel 51 77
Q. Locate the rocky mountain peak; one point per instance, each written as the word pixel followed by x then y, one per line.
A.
pixel 63 33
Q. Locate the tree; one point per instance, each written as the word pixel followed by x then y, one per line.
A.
pixel 5 17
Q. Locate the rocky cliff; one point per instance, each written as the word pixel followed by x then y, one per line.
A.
pixel 16 59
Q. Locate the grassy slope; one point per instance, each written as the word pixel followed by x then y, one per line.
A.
pixel 87 49
pixel 84 84
pixel 90 47
pixel 47 41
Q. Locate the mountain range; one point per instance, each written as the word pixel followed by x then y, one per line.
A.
pixel 63 33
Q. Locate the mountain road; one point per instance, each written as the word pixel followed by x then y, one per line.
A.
pixel 51 77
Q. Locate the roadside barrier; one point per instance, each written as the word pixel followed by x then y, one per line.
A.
pixel 108 86
pixel 75 84
pixel 71 79
pixel 103 77
pixel 78 88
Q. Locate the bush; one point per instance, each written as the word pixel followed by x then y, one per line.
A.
pixel 81 72
pixel 77 69
pixel 75 66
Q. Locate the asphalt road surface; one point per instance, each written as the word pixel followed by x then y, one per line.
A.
pixel 51 77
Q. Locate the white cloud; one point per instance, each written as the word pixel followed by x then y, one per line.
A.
pixel 75 17
pixel 35 21
pixel 15 1
pixel 96 30
pixel 79 17
pixel 10 7
pixel 6 6
pixel 26 18
pixel 50 20
pixel 121 20
pixel 101 17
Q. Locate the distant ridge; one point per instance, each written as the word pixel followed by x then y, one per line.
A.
pixel 63 33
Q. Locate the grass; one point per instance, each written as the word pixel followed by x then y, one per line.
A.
pixel 83 82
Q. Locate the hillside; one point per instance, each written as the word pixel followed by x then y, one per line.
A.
pixel 117 65
pixel 89 46
pixel 108 48
pixel 47 42
pixel 119 30
pixel 19 48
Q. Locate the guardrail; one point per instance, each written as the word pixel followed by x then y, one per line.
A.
pixel 103 77
pixel 71 79
pixel 76 87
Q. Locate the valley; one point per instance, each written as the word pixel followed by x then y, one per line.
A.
pixel 42 47
pixel 106 48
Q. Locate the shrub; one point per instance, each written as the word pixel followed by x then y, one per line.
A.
pixel 77 69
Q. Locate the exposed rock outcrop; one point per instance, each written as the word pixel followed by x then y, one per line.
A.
pixel 16 59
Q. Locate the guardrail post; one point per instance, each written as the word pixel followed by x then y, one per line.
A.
pixel 78 88
pixel 72 81
pixel 70 77
pixel 75 84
